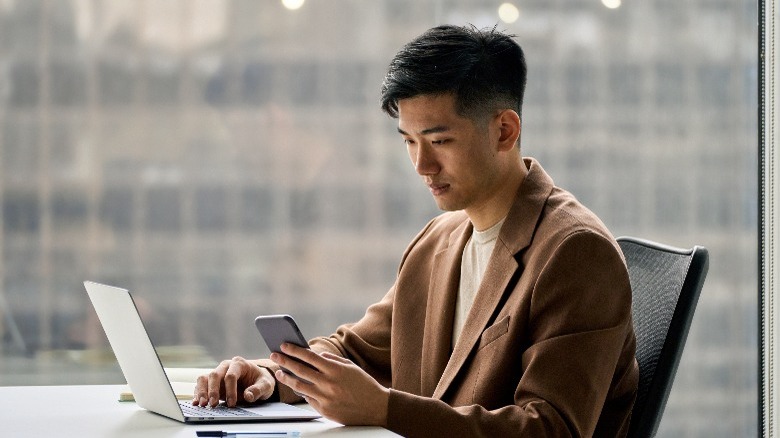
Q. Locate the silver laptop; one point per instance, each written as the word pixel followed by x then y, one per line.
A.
pixel 146 376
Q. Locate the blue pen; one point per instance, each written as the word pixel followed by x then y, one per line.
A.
pixel 245 434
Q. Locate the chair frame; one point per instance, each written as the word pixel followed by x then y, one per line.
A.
pixel 645 421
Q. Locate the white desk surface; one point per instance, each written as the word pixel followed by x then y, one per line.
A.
pixel 94 411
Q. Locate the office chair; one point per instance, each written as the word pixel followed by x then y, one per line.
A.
pixel 665 284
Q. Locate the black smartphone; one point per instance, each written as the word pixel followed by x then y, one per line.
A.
pixel 278 329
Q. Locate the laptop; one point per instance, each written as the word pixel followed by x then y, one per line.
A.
pixel 145 373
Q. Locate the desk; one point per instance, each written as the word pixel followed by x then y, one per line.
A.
pixel 94 411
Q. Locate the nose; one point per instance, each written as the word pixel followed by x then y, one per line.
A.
pixel 424 160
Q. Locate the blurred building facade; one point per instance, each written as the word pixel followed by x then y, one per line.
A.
pixel 225 159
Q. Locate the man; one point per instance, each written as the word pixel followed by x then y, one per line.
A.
pixel 511 312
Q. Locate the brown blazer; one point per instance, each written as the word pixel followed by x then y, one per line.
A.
pixel 547 350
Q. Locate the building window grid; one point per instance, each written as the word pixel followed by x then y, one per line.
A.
pixel 47 110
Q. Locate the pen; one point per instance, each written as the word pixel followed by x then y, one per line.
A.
pixel 245 434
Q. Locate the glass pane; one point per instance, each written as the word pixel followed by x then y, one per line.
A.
pixel 207 152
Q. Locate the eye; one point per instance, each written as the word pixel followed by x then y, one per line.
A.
pixel 408 141
pixel 441 141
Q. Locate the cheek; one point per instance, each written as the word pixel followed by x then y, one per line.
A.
pixel 476 163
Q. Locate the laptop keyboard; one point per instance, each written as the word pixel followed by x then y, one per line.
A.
pixel 221 410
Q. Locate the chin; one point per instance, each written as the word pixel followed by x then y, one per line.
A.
pixel 448 206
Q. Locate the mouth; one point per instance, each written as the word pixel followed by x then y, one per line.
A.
pixel 438 188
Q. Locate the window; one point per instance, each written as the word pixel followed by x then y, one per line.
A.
pixel 117 209
pixel 21 212
pixel 198 152
pixel 211 206
pixel 163 210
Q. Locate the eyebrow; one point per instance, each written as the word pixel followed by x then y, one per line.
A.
pixel 434 130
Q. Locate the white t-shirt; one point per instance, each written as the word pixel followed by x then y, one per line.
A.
pixel 476 255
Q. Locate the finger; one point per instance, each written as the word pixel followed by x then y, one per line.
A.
pixel 262 389
pixel 230 380
pixel 314 403
pixel 215 383
pixel 336 358
pixel 304 354
pixel 201 390
pixel 324 362
pixel 301 369
pixel 300 387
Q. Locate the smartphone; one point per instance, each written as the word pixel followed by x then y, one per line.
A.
pixel 278 329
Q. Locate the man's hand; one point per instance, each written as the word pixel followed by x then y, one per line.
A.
pixel 231 377
pixel 337 388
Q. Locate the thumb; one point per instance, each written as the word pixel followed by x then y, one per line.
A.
pixel 261 390
pixel 251 393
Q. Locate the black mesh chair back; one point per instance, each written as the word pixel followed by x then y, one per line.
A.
pixel 665 283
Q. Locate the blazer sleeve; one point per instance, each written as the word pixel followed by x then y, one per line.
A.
pixel 580 333
pixel 366 343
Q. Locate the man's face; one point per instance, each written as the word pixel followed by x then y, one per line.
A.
pixel 455 156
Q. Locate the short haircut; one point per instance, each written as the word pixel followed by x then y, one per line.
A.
pixel 484 69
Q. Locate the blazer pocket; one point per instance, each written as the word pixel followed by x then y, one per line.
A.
pixel 494 332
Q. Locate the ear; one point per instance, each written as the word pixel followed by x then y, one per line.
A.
pixel 510 126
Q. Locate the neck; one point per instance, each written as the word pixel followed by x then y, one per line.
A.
pixel 498 206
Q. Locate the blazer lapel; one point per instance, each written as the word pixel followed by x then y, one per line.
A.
pixel 515 235
pixel 440 311
pixel 499 271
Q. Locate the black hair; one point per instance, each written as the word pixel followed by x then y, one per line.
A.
pixel 484 69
